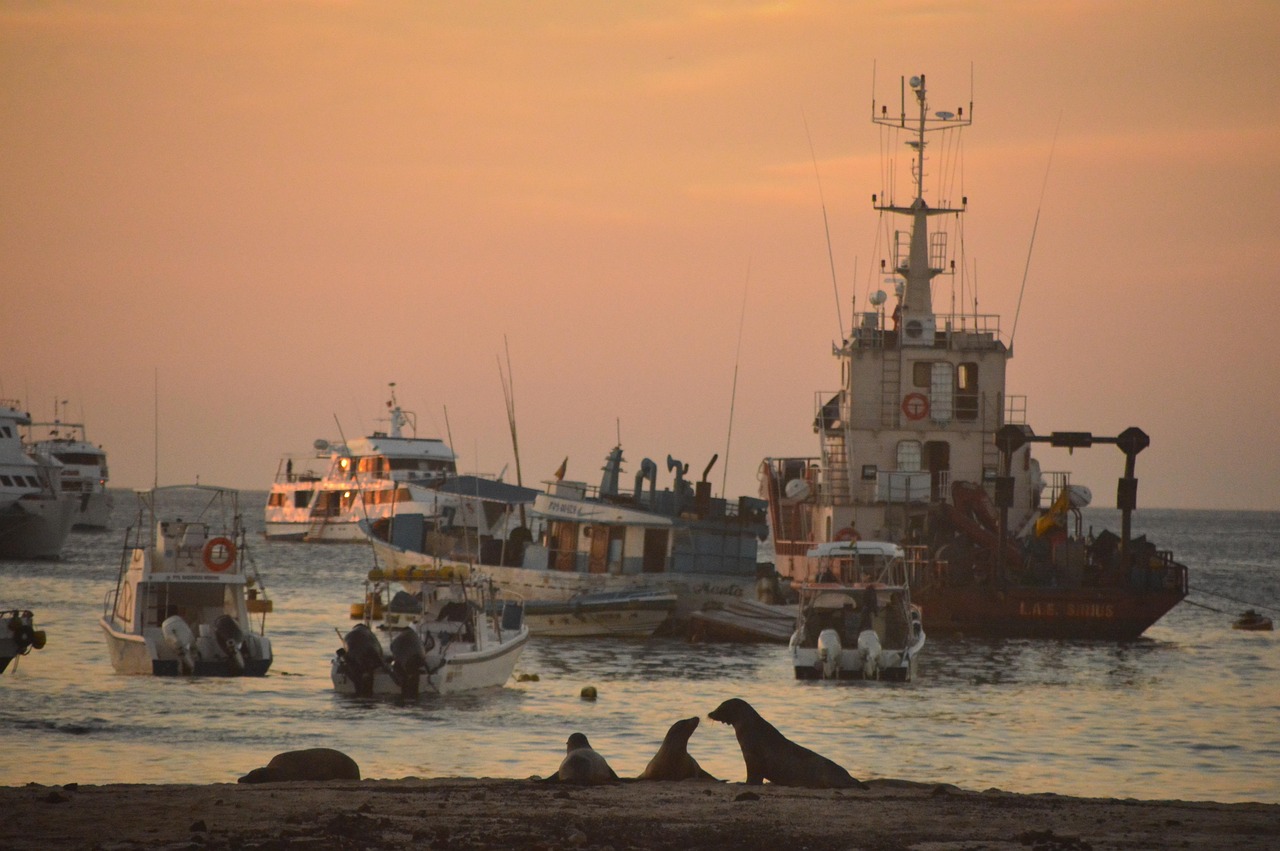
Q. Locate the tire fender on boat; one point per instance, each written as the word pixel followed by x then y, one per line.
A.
pixel 219 554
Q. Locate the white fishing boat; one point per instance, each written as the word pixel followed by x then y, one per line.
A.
pixel 186 591
pixel 444 633
pixel 18 635
pixel 923 445
pixel 35 515
pixel 856 620
pixel 83 475
pixel 580 540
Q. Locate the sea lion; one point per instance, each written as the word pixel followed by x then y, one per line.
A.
pixel 309 764
pixel 772 756
pixel 582 765
pixel 672 761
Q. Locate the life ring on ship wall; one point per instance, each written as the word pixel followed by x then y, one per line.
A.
pixel 219 554
pixel 915 406
pixel 848 533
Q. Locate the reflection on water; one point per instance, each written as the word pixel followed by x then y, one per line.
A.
pixel 1187 712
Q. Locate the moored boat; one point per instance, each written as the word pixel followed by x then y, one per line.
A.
pixel 744 622
pixel 444 633
pixel 1253 621
pixel 83 473
pixel 35 515
pixel 183 600
pixel 617 614
pixel 579 540
pixel 18 635
pixel 921 445
pixel 856 619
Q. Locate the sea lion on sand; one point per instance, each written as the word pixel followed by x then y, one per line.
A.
pixel 310 764
pixel 582 765
pixel 772 756
pixel 672 761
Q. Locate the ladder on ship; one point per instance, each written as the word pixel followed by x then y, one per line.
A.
pixel 890 387
pixel 835 461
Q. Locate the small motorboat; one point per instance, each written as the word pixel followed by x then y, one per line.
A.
pixel 857 620
pixel 181 605
pixel 1253 621
pixel 744 621
pixel 630 613
pixel 18 636
pixel 444 633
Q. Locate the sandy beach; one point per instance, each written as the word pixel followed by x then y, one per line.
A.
pixel 489 813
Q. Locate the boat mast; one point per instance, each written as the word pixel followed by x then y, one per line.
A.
pixel 925 253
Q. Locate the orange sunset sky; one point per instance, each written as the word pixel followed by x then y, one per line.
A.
pixel 254 215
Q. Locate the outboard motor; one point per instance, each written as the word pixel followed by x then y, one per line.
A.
pixel 361 657
pixel 869 646
pixel 231 641
pixel 829 648
pixel 181 641
pixel 409 661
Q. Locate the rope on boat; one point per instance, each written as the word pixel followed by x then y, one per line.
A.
pixel 1226 597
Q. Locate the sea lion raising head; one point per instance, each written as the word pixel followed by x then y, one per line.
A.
pixel 672 761
pixel 582 764
pixel 310 764
pixel 772 756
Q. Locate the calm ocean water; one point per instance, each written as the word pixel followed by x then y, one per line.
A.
pixel 1190 711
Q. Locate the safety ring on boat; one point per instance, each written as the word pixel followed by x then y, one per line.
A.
pixel 915 406
pixel 219 554
pixel 848 533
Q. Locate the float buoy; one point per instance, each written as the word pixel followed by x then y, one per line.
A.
pixel 219 554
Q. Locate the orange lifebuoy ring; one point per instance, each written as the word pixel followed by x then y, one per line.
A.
pixel 219 554
pixel 915 406
pixel 848 533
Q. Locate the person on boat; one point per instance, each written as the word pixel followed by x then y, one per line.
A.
pixel 896 627
pixel 870 606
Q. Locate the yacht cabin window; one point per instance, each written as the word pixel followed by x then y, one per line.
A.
pixel 909 456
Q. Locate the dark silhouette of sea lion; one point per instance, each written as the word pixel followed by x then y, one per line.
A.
pixel 772 756
pixel 672 761
pixel 582 765
pixel 310 764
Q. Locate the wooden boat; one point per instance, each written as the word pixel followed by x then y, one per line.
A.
pixel 744 621
pixel 634 613
pixel 1253 621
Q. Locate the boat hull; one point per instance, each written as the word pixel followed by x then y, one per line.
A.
pixel 1019 612
pixel 744 621
pixel 469 670
pixel 36 529
pixel 625 614
pixel 145 654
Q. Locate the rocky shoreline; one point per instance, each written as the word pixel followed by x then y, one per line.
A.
pixel 490 813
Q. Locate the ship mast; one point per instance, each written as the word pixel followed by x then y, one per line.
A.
pixel 925 255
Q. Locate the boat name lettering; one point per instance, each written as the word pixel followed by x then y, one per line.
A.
pixel 1103 611
pixel 566 507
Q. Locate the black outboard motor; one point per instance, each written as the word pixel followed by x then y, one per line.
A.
pixel 409 661
pixel 231 642
pixel 361 657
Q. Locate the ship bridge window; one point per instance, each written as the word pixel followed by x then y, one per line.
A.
pixel 967 391
pixel 909 456
pixel 85 458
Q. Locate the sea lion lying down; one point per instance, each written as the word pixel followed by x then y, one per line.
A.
pixel 582 765
pixel 310 764
pixel 672 761
pixel 772 756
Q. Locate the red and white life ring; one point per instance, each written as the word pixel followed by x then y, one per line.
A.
pixel 219 554
pixel 915 406
pixel 848 533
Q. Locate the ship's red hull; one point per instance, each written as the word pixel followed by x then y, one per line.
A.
pixel 1023 612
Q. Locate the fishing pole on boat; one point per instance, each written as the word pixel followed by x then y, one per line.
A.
pixel 835 288
pixel 1027 268
pixel 733 394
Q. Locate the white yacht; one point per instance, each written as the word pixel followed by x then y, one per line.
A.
pixel 367 479
pixel 35 516
pixel 84 468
